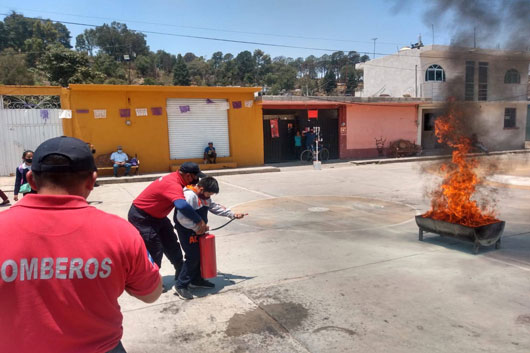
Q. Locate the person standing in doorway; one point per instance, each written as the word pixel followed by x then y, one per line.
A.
pixel 310 139
pixel 149 211
pixel 65 268
pixel 297 144
pixel 20 175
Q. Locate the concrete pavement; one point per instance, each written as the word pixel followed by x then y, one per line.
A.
pixel 329 261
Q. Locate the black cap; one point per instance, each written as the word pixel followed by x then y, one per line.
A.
pixel 75 150
pixel 190 167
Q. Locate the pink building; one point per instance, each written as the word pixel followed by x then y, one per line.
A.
pixel 349 126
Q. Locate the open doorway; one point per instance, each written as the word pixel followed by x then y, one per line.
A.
pixel 278 135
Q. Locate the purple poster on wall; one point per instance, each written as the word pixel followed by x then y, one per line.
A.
pixel 156 110
pixel 44 114
pixel 236 104
pixel 125 113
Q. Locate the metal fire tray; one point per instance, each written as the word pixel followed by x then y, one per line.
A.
pixel 487 235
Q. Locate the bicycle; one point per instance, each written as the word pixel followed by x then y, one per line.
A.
pixel 310 155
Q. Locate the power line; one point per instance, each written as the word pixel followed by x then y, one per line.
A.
pixel 268 44
pixel 211 29
pixel 202 37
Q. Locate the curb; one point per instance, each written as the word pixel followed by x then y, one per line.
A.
pixel 432 158
pixel 213 173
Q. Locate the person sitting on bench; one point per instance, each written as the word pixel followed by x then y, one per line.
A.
pixel 209 154
pixel 120 160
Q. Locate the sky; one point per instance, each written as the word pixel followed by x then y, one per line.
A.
pixel 318 24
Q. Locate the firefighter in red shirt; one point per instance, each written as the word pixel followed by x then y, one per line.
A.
pixel 64 263
pixel 150 209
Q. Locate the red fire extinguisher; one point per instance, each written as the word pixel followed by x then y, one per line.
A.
pixel 208 259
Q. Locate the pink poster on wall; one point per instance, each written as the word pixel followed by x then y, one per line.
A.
pixel 275 131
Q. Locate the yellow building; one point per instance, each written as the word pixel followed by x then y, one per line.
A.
pixel 166 125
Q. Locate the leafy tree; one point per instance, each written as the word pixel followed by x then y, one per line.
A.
pixel 181 75
pixel 352 80
pixel 117 40
pixel 63 66
pixel 189 57
pixel 145 65
pixel 165 61
pixel 262 64
pixel 199 71
pixel 34 47
pixel 109 67
pixel 245 67
pixel 86 41
pixel 329 82
pixel 18 29
pixel 13 69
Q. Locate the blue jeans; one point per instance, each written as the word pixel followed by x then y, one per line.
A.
pixel 127 167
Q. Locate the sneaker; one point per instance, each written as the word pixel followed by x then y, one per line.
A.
pixel 183 293
pixel 202 283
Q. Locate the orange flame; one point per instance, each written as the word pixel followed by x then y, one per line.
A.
pixel 453 203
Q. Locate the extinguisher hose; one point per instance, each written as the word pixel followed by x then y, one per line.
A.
pixel 224 224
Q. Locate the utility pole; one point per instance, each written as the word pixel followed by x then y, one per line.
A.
pixel 374 39
pixel 432 24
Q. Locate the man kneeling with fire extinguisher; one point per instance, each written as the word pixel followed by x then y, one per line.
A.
pixel 199 198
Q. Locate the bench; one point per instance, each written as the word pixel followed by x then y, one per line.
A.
pixel 403 148
pixel 104 164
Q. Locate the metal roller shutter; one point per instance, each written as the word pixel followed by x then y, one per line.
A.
pixel 190 132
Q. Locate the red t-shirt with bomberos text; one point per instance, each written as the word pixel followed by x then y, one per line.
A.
pixel 157 199
pixel 63 265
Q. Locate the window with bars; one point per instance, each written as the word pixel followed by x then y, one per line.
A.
pixel 482 81
pixel 509 118
pixel 470 81
pixel 512 76
pixel 435 73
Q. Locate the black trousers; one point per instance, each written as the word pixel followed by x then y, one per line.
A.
pixel 191 270
pixel 118 349
pixel 158 235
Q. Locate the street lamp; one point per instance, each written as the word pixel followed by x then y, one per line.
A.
pixel 374 39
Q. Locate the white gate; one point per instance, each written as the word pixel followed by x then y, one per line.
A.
pixel 200 122
pixel 25 129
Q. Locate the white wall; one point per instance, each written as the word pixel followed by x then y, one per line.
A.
pixel 24 129
pixel 394 75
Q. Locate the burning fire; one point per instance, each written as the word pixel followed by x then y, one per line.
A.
pixel 453 203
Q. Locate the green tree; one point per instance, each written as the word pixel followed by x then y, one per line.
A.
pixel 34 47
pixel 262 64
pixel 107 66
pixel 181 75
pixel 352 81
pixel 199 71
pixel 17 29
pixel 145 65
pixel 165 61
pixel 245 67
pixel 117 40
pixel 13 68
pixel 329 82
pixel 86 41
pixel 63 66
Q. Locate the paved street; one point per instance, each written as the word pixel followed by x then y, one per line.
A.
pixel 329 261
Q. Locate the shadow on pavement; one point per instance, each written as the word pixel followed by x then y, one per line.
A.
pixel 221 281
